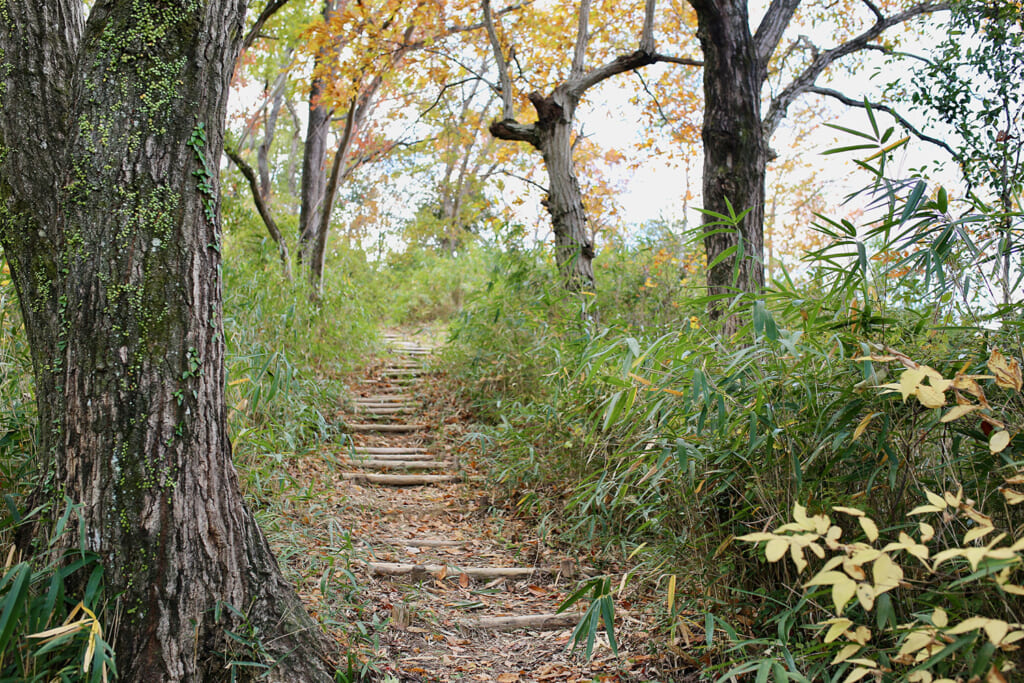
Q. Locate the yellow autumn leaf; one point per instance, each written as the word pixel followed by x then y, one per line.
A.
pixel 915 640
pixel 999 441
pixel 870 528
pixel 845 653
pixel 853 512
pixel 956 412
pixel 1007 371
pixel 756 537
pixel 922 509
pixel 887 574
pixel 935 499
pixel 837 627
pixel 865 596
pixel 910 380
pixel 854 571
pixel 775 549
pixel 977 532
pixel 940 618
pixel 863 424
pixel 1012 497
pixel 842 593
pixel 969 624
pixel 801 518
pixel 857 674
pixel 927 531
pixel 996 630
pixel 930 397
pixel 796 553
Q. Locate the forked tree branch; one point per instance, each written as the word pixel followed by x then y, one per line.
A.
pixel 263 209
pixel 822 60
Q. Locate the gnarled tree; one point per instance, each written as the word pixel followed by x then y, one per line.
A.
pixel 552 135
pixel 111 126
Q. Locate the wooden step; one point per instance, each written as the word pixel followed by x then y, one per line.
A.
pixel 392 428
pixel 389 450
pixel 404 569
pixel 399 464
pixel 399 479
pixel 362 457
pixel 388 398
pixel 531 622
pixel 384 410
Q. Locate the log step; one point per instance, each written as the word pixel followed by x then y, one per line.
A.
pixel 395 428
pixel 365 457
pixel 532 622
pixel 405 569
pixel 387 398
pixel 389 450
pixel 383 410
pixel 422 542
pixel 399 464
pixel 399 479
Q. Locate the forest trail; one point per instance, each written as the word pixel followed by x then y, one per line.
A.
pixel 454 588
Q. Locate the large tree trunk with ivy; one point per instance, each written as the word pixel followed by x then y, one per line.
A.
pixel 735 153
pixel 110 130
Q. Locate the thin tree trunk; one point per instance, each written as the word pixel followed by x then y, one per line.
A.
pixel 314 159
pixel 319 253
pixel 110 218
pixel 735 153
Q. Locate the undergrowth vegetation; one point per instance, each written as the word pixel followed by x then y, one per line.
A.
pixel 624 423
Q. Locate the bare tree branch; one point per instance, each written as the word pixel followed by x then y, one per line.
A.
pixel 647 43
pixel 579 53
pixel 806 79
pixel 507 111
pixel 270 10
pixel 263 209
pixel 877 106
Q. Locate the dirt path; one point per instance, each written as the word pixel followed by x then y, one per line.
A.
pixel 445 586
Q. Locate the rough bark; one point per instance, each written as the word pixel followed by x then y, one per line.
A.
pixel 735 152
pixel 110 130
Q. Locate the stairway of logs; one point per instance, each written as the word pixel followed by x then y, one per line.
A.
pixel 408 471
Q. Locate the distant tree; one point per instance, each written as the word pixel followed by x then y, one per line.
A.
pixel 552 134
pixel 111 128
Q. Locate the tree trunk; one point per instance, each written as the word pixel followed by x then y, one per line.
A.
pixel 574 246
pixel 552 135
pixel 111 130
pixel 735 152
pixel 314 159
